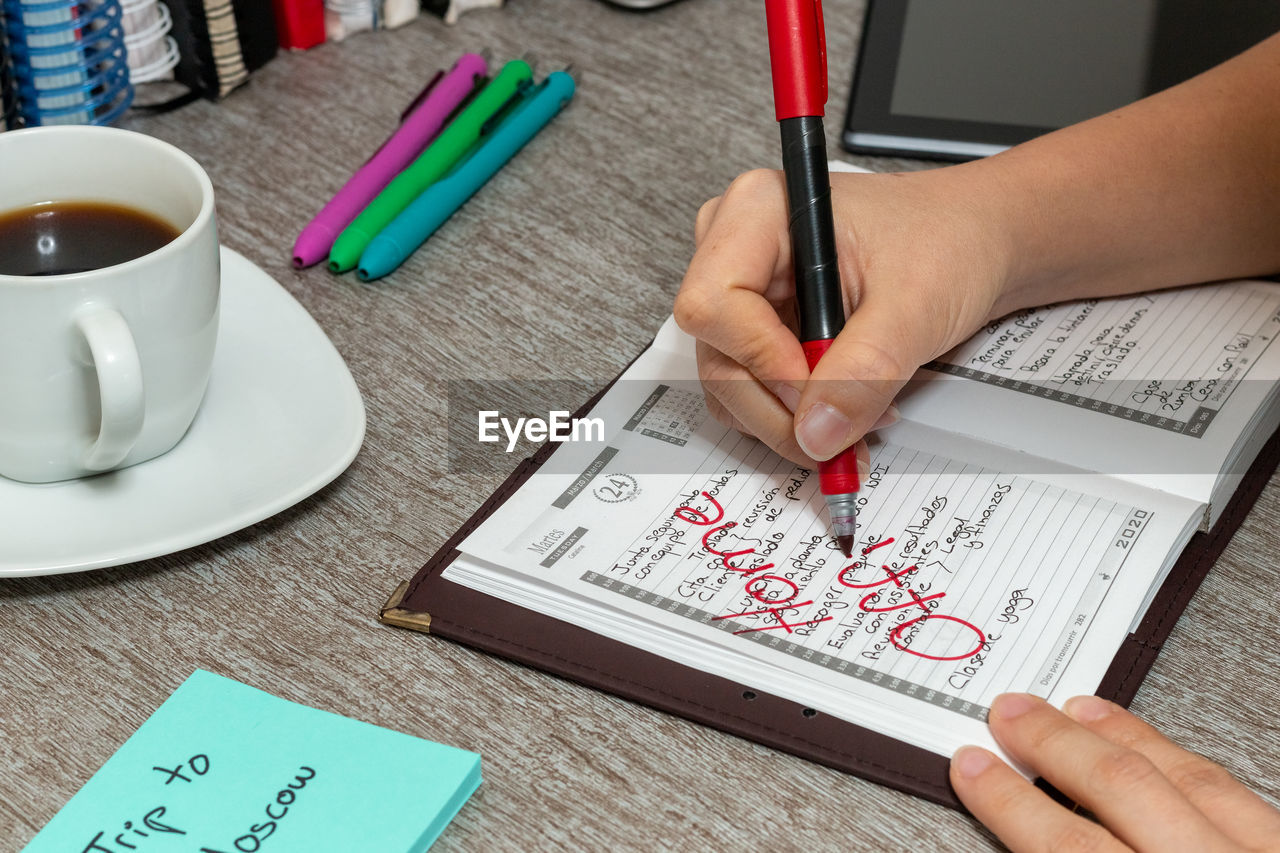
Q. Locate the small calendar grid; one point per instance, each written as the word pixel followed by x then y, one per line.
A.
pixel 668 414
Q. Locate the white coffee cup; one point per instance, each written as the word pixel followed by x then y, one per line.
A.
pixel 106 368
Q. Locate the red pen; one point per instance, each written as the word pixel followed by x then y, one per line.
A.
pixel 798 56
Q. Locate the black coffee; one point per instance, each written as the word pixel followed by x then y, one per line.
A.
pixel 75 236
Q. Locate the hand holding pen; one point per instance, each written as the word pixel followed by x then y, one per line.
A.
pixel 922 267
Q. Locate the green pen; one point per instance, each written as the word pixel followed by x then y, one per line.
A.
pixel 449 147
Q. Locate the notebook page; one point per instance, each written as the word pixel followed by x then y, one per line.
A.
pixel 1119 385
pixel 695 542
pixel 1156 388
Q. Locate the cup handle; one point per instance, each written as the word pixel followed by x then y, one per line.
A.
pixel 115 358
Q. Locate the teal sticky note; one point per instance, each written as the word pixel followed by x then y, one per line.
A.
pixel 222 767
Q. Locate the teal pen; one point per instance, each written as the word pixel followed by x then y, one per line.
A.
pixel 534 109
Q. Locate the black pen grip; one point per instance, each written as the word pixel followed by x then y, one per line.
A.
pixel 819 301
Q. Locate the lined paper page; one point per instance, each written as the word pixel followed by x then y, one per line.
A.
pixel 1157 388
pixel 698 543
pixel 1168 361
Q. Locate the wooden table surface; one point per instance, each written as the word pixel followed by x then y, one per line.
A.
pixel 562 268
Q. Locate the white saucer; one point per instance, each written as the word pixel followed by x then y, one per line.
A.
pixel 282 418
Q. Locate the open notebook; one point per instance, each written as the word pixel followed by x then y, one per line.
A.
pixel 986 563
pixel 1015 528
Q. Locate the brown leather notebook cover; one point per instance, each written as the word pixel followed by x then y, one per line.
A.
pixel 431 604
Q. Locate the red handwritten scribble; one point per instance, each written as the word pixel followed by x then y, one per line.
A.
pixel 897 631
pixel 756 587
pixel 896 578
pixel 726 556
pixel 701 517
pixel 916 596
pixel 843 579
pixel 755 582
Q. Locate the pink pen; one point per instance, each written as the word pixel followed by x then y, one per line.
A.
pixel 425 118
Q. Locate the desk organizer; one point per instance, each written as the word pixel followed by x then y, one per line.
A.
pixel 70 63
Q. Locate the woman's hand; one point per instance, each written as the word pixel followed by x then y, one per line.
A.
pixel 1118 204
pixel 1146 792
pixel 923 267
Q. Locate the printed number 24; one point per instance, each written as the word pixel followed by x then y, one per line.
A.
pixel 616 490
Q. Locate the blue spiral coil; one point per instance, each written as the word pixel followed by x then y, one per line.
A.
pixel 69 62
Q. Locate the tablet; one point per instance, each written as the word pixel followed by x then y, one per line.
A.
pixel 955 81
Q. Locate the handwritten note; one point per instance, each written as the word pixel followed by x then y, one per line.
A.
pixel 1168 361
pixel 222 767
pixel 975 573
pixel 968 581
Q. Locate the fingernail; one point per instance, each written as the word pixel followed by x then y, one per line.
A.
pixel 890 417
pixel 864 471
pixel 1010 705
pixel 789 396
pixel 971 761
pixel 823 432
pixel 1086 709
